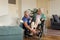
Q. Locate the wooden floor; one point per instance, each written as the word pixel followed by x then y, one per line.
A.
pixel 46 38
pixel 51 38
pixel 51 35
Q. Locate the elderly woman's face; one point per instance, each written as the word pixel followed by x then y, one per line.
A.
pixel 39 11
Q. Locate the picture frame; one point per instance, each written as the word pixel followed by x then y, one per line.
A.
pixel 12 1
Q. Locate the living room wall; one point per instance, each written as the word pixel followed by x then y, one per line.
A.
pixel 3 7
pixel 55 7
pixel 28 4
pixel 8 13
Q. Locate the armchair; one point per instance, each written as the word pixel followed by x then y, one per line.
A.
pixel 55 22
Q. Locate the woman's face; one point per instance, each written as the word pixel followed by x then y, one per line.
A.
pixel 39 12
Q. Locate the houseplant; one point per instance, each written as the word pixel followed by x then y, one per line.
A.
pixel 32 12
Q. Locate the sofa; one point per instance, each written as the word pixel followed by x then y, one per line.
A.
pixel 55 22
pixel 11 33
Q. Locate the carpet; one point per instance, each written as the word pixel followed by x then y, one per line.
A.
pixel 53 32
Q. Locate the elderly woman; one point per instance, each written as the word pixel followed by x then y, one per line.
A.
pixel 39 19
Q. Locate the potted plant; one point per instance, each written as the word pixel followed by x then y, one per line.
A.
pixel 33 11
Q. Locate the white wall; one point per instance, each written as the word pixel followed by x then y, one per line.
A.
pixel 8 14
pixel 28 4
pixel 3 7
pixel 12 10
pixel 54 7
pixel 7 20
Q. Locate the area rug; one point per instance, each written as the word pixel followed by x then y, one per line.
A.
pixel 53 32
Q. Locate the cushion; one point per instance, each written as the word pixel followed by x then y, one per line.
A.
pixel 11 33
pixel 56 18
pixel 10 30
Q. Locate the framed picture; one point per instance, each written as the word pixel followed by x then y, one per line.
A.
pixel 12 1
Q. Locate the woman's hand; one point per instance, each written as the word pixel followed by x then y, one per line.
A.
pixel 34 31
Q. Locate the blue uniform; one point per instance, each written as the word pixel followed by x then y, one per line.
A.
pixel 26 32
pixel 26 20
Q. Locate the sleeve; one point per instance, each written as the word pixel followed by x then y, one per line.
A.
pixel 24 20
pixel 44 16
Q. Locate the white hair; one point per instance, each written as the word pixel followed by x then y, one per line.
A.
pixel 27 11
pixel 42 9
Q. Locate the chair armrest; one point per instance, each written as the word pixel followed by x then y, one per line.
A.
pixel 59 18
pixel 56 23
pixel 52 21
